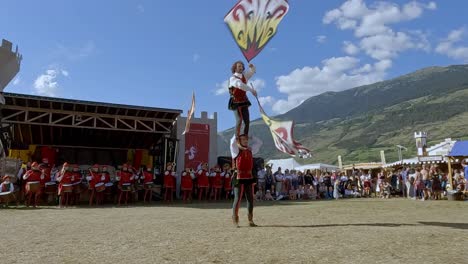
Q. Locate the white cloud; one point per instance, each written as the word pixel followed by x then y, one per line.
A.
pixel 222 88
pixel 321 39
pixel 46 83
pixel 266 100
pixel 258 84
pixel 196 57
pixel 65 73
pixel 451 47
pixel 375 38
pixel 371 26
pixel 337 74
pixel 349 48
pixel 17 81
pixel 75 53
pixel 140 8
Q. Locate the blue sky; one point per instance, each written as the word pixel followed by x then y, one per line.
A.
pixel 154 53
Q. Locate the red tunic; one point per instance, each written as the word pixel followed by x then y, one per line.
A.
pixel 217 181
pixel 125 178
pixel 239 95
pixel 148 177
pixel 94 179
pixel 186 181
pixel 244 164
pixel 202 179
pixel 76 177
pixel 66 178
pixel 227 181
pixel 46 176
pixel 169 179
pixel 33 175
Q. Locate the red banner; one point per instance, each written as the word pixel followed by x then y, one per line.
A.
pixel 197 145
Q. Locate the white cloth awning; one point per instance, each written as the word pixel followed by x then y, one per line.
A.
pixel 284 164
pixel 317 166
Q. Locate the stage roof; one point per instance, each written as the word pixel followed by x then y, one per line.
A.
pixel 460 149
pixel 42 120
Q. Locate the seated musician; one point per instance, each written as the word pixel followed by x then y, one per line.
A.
pixel 6 191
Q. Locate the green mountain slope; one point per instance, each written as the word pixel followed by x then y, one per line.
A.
pixel 359 122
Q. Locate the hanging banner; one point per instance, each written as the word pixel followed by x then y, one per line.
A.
pixel 197 145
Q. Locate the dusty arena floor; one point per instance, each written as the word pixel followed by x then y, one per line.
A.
pixel 345 231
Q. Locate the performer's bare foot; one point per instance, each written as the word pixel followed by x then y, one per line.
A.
pixel 251 222
pixel 235 220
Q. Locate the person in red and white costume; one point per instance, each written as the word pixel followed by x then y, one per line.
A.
pixel 6 191
pixel 93 179
pixel 217 182
pixel 203 181
pixel 227 179
pixel 169 182
pixel 100 179
pixel 239 102
pixel 109 192
pixel 125 183
pixel 148 178
pixel 186 184
pixel 244 180
pixel 65 180
pixel 76 181
pixel 32 180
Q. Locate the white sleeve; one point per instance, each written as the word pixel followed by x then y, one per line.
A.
pixel 237 83
pixel 250 73
pixel 12 188
pixel 234 147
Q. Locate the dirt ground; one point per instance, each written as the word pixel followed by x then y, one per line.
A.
pixel 345 231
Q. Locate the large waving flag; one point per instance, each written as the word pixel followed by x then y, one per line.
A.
pixel 253 23
pixel 282 133
pixel 189 115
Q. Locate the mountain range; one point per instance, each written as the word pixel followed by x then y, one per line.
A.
pixel 360 122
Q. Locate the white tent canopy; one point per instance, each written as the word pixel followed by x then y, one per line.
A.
pixel 317 166
pixel 288 164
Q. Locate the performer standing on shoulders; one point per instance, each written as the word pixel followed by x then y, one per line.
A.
pixel 244 180
pixel 239 102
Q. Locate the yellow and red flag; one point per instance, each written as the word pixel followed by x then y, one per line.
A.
pixel 189 115
pixel 253 23
pixel 282 133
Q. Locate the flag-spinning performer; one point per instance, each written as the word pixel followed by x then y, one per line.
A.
pixel 243 178
pixel 239 102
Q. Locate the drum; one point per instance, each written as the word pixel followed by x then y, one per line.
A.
pixel 67 188
pixel 109 186
pixel 148 186
pixel 100 187
pixel 7 197
pixel 139 187
pixel 77 187
pixel 50 188
pixel 126 187
pixel 33 187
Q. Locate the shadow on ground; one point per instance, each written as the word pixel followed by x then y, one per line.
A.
pixel 462 226
pixel 336 225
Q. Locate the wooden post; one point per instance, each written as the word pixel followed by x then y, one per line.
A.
pixel 450 172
